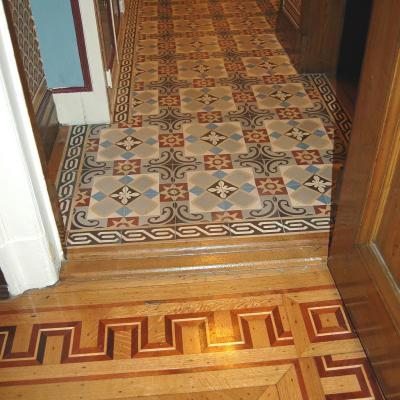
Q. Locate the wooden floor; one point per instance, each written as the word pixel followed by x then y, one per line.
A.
pixel 275 333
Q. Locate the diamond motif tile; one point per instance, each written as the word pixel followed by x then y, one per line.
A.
pixel 257 42
pixel 207 99
pixel 149 27
pixel 272 65
pixel 124 196
pixel 145 102
pixel 243 8
pixel 201 69
pixel 222 190
pixel 281 96
pixel 308 185
pixel 148 47
pixel 214 139
pixel 297 134
pixel 243 23
pixel 197 45
pixel 190 9
pixel 146 71
pixel 128 144
pixel 197 25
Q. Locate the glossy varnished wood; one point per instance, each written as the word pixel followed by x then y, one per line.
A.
pixel 266 333
pixel 363 257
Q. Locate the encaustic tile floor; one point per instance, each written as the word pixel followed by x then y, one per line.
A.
pixel 215 133
pixel 185 338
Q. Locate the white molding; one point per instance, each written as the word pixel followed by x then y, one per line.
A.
pixel 30 247
pixel 87 107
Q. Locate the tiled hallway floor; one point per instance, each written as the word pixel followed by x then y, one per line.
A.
pixel 215 133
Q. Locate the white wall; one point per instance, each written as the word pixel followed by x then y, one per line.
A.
pixel 30 248
pixel 87 107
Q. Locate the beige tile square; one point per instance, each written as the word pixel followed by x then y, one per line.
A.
pixel 273 65
pixel 308 185
pixel 147 47
pixel 197 45
pixel 207 99
pixel 222 190
pixel 149 11
pixel 242 8
pixel 244 23
pixel 128 144
pixel 214 139
pixel 146 71
pixel 145 102
pixel 196 25
pixel 148 27
pixel 257 42
pixel 190 9
pixel 281 96
pixel 201 69
pixel 297 134
pixel 124 196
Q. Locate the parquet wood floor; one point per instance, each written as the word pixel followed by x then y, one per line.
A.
pixel 255 334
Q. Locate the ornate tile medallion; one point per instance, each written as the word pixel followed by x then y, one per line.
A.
pixel 214 139
pixel 128 144
pixel 207 99
pixel 223 190
pixel 308 185
pixel 272 65
pixel 127 196
pixel 298 134
pixel 201 69
pixel 281 96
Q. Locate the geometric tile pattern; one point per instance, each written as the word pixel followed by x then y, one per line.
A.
pixel 308 185
pixel 222 190
pixel 272 65
pixel 129 195
pixel 214 138
pixel 128 143
pixel 202 96
pixel 300 134
pixel 291 340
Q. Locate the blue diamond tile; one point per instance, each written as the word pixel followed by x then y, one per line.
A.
pixel 216 150
pixel 151 193
pixel 293 185
pixel 276 135
pixel 123 211
pixel 196 190
pixel 247 187
pixel 191 139
pixel 106 144
pixel 312 168
pixel 303 146
pixel 324 199
pixel 126 179
pixel 220 174
pixel 292 122
pixel 236 136
pixel 99 196
pixel 211 126
pixel 151 141
pixel 319 133
pixel 127 155
pixel 129 130
pixel 225 205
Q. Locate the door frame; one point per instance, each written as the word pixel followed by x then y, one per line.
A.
pixel 364 281
pixel 30 248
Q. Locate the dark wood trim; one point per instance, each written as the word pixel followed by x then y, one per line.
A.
pixel 80 39
pixel 366 285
